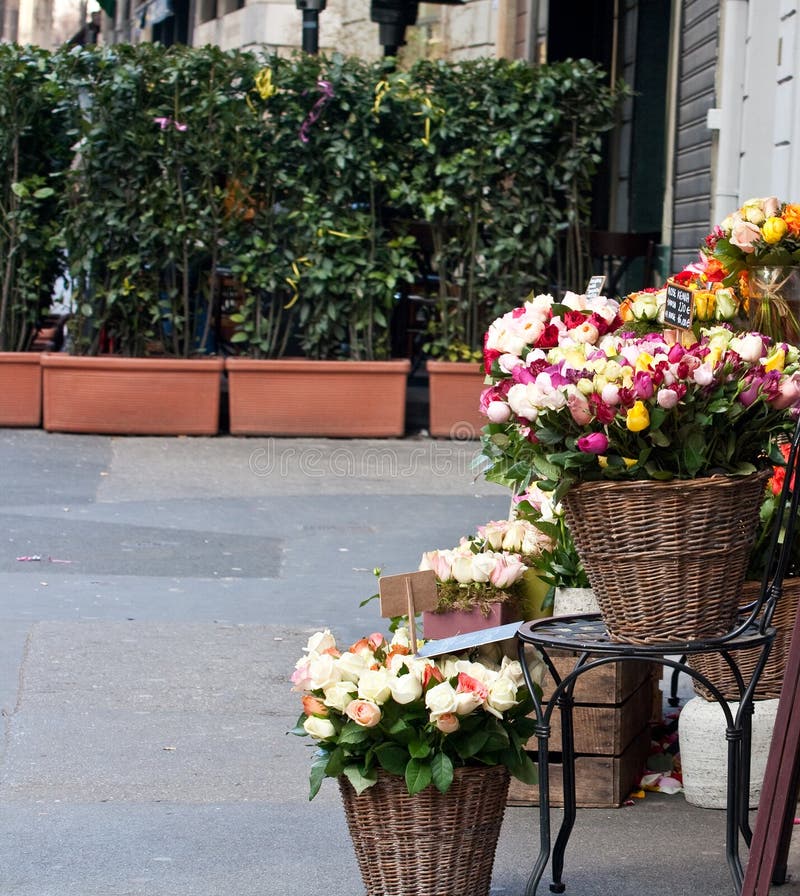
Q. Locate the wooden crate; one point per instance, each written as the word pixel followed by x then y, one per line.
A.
pixel 611 721
pixel 612 705
pixel 600 781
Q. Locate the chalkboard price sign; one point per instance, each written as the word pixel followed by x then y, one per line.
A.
pixel 678 307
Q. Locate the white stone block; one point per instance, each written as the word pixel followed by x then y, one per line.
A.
pixel 704 751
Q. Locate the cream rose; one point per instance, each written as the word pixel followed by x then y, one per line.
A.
pixel 338 695
pixel 319 642
pixel 352 665
pixel 374 685
pixel 323 672
pixel 405 688
pixel 322 729
pixel 441 699
pixel 502 695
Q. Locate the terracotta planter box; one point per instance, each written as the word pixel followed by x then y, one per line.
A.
pixel 299 397
pixel 131 396
pixel 459 622
pixel 20 389
pixel 454 389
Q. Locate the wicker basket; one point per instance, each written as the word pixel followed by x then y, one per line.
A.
pixel 429 844
pixel 717 671
pixel 666 560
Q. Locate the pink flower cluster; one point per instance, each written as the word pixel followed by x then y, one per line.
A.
pixel 616 380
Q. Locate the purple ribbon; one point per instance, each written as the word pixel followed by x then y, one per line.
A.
pixel 326 89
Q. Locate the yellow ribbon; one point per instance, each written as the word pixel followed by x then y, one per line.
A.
pixel 294 281
pixel 381 89
pixel 263 86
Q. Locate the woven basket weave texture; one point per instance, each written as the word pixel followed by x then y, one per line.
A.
pixel 666 560
pixel 429 844
pixel 768 687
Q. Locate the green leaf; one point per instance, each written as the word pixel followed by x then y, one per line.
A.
pixel 318 772
pixel 392 758
pixel 419 749
pixel 359 779
pixel 418 775
pixel 353 733
pixel 442 772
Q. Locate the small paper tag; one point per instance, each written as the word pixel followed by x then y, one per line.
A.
pixel 393 592
pixel 678 307
pixel 595 286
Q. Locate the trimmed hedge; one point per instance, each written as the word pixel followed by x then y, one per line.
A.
pixel 146 171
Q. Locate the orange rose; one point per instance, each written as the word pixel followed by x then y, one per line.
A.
pixel 364 713
pixel 791 215
pixel 312 706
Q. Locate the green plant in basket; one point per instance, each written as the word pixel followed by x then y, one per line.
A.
pixel 375 706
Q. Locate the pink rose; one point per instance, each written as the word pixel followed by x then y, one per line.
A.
pixel 788 392
pixel 507 570
pixel 667 398
pixel 579 408
pixel 469 685
pixel 745 235
pixel 448 722
pixel 498 412
pixel 593 443
pixel 364 713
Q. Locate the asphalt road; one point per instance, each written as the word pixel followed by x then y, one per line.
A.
pixel 155 596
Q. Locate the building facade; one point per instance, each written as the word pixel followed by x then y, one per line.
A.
pixel 714 117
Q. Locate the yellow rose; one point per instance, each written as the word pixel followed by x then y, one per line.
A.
pixel 774 230
pixel 777 361
pixel 585 386
pixel 638 417
pixel 704 303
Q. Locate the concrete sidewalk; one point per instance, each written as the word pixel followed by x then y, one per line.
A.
pixel 145 655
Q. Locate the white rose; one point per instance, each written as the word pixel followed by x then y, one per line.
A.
pixel 467 702
pixel 320 642
pixel 749 347
pixel 447 666
pixel 401 638
pixel 478 671
pixel 502 695
pixel 319 728
pixel 483 566
pixel 512 670
pixel 352 665
pixel 405 688
pixel 338 695
pixel 461 568
pixel 536 667
pixel 323 672
pixel 374 686
pixel 441 698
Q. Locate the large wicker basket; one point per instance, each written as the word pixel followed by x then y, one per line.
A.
pixel 429 844
pixel 768 687
pixel 666 560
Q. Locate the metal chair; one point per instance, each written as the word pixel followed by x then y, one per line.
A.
pixel 587 636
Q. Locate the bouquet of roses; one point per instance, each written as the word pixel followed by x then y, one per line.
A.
pixel 376 706
pixel 600 403
pixel 486 568
pixel 761 232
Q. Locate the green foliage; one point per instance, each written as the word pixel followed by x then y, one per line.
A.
pixel 33 156
pixel 303 177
